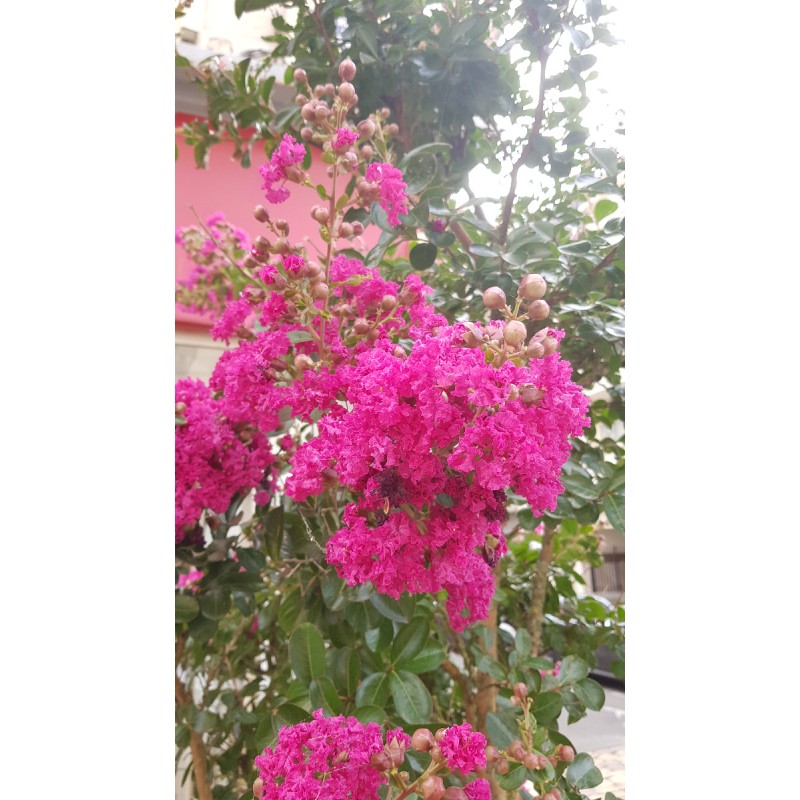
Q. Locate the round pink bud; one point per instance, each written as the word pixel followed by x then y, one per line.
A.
pixel 532 287
pixel 262 243
pixel 514 333
pixel 530 761
pixel 330 89
pixel 306 134
pixel 439 735
pixel 319 291
pixel 535 350
pixel 513 394
pixel 367 152
pixel 531 394
pixel 520 690
pixel 492 753
pixel 385 112
pixel 308 112
pixel 550 344
pixel 566 753
pixel 347 92
pixel 516 750
pixel 538 309
pixel 258 788
pixel 392 129
pixel 319 91
pixel 180 408
pixel 300 100
pixel 261 214
pixel 436 753
pixel 302 362
pixel 321 113
pixel 366 128
pixel 281 224
pixel 321 215
pixel 422 739
pixel 388 302
pixel 502 766
pixel 360 327
pixel 347 70
pixel 432 788
pixel 398 352
pixel 346 230
pixel 514 699
pixel 300 76
pixel 455 793
pixel 381 761
pixel 358 228
pixel 396 752
pixel 494 297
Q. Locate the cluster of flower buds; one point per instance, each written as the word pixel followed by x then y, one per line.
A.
pixel 511 341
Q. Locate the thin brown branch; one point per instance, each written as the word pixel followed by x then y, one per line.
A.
pixel 317 16
pixel 466 690
pixel 607 259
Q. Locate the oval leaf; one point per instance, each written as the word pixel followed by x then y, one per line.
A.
pixel 572 669
pixel 423 255
pixel 307 653
pixel 411 697
pixel 410 641
pixel 374 690
pixel 186 608
pixel 323 695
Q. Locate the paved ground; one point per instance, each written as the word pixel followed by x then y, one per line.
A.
pixel 602 735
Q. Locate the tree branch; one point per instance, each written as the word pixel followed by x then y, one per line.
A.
pixel 536 613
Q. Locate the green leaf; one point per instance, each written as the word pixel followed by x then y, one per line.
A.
pixel 590 693
pixel 307 652
pixel 347 671
pixel 606 158
pixel 572 669
pixel 582 773
pixel 501 727
pixel 409 642
pixel 482 251
pixel 389 608
pixel 442 238
pixel 299 336
pixel 603 208
pixel 186 608
pixel 182 61
pixel 422 255
pixel 378 638
pixel 431 657
pixel 367 714
pixel 373 690
pixel 445 500
pixel 201 629
pixel 614 506
pixel 580 486
pixel 215 604
pixel 251 559
pixel 411 697
pixel 289 610
pixel 323 695
pixel 513 779
pixel 547 706
pixel 243 6
pixel 522 642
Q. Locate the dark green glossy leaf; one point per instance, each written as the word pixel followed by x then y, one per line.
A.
pixel 367 714
pixel 513 779
pixel 614 506
pixel 289 610
pixel 572 669
pixel 582 772
pixel 215 603
pixel 590 693
pixel 547 706
pixel 373 690
pixel 409 642
pixel 501 727
pixel 431 657
pixel 422 255
pixel 389 608
pixel 323 695
pixel 307 652
pixel 411 697
pixel 186 608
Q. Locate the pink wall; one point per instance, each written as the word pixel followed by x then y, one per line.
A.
pixel 227 187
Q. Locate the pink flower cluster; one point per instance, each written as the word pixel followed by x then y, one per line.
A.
pixel 327 758
pixel 344 138
pixel 217 454
pixel 188 580
pixel 280 168
pixel 464 749
pixel 392 189
pixel 427 444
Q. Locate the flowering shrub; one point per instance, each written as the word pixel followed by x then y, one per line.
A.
pixel 398 437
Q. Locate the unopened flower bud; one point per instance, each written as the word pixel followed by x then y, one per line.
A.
pixel 531 394
pixel 319 91
pixel 346 91
pixel 520 690
pixel 553 794
pixel 473 336
pixel 374 334
pixel 319 291
pixel 436 753
pixel 366 128
pixel 300 76
pixel 396 752
pixel 302 362
pixel 306 134
pixel 321 113
pixel 553 760
pixel 492 754
pixel 502 766
pixel 385 112
pixel 532 287
pixel 516 750
pixel 530 761
pixel 262 243
pixel 392 129
pixel 514 333
pixel 455 793
pixel 282 225
pixel 249 262
pixel 550 344
pixel 347 70
pixel 282 246
pixel 300 100
pixel 258 788
pixel 321 215
pixel 422 739
pixel 381 761
pixel 330 89
pixel 398 352
pixel 308 112
pixel 514 701
pixel 261 214
pixel 494 297
pixel 432 788
pixel 180 408
pixel 538 309
pixel 535 350
pixel 388 302
pixel 367 152
pixel 566 753
pixel 358 228
pixel 513 394
pixel 361 327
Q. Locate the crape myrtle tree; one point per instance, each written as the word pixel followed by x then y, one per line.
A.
pixel 384 491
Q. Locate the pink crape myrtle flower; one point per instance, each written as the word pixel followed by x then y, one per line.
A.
pixel 344 138
pixel 280 167
pixel 189 579
pixel 478 790
pixel 392 189
pixel 212 461
pixel 464 749
pixel 327 758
